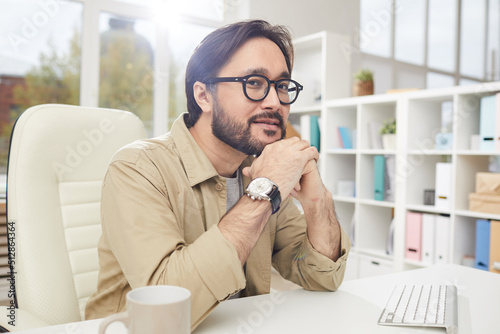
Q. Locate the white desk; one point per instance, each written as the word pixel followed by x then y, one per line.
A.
pixel 354 308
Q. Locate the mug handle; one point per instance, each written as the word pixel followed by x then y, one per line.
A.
pixel 122 317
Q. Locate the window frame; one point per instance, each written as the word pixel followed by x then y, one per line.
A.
pixel 89 80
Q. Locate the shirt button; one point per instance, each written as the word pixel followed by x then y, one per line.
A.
pixel 218 186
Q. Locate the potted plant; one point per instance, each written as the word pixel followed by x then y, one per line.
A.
pixel 363 83
pixel 388 132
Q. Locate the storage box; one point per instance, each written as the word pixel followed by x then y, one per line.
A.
pixel 486 203
pixel 488 183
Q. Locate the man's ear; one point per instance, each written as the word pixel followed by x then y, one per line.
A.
pixel 202 96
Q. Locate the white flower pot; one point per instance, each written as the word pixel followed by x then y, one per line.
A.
pixel 389 141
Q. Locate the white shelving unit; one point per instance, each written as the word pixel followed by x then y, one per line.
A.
pixel 324 71
pixel 418 116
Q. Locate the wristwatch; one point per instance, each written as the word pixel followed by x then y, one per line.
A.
pixel 264 189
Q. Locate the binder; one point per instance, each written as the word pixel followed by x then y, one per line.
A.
pixel 482 244
pixel 389 244
pixel 413 250
pixel 443 186
pixel 378 177
pixel 495 246
pixel 487 123
pixel 442 237
pixel 314 131
pixel 345 137
pixel 390 178
pixel 428 238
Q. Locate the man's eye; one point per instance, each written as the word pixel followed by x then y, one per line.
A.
pixel 283 86
pixel 254 83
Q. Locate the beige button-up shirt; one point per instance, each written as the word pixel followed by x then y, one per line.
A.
pixel 162 200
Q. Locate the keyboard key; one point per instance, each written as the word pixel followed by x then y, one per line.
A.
pixel 394 300
pixel 441 306
pixel 423 303
pixel 403 302
pixel 412 304
pixel 432 306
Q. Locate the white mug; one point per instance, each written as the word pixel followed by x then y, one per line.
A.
pixel 156 309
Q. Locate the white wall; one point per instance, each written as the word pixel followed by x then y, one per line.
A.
pixel 305 17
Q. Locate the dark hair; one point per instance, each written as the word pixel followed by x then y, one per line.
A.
pixel 217 48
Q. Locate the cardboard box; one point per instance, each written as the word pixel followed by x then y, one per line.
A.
pixel 486 203
pixel 488 183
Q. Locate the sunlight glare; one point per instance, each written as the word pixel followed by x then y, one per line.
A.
pixel 167 13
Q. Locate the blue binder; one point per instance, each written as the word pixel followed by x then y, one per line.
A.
pixel 487 123
pixel 482 244
pixel 345 137
pixel 378 177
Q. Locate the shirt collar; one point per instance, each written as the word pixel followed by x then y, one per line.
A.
pixel 197 165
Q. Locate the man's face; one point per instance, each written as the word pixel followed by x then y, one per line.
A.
pixel 246 125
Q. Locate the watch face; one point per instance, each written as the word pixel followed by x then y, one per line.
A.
pixel 260 186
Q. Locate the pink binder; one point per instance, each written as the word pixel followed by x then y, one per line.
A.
pixel 413 248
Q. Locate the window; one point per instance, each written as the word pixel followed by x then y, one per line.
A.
pixel 376 27
pixel 472 38
pixel 37 65
pixel 442 36
pixel 124 54
pixel 410 32
pixel 126 65
pixel 435 43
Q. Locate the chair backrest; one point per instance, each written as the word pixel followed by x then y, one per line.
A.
pixel 58 158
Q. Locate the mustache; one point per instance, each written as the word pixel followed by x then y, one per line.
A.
pixel 268 114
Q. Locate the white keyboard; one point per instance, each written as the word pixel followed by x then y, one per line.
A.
pixel 422 305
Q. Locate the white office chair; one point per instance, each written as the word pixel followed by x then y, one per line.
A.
pixel 57 161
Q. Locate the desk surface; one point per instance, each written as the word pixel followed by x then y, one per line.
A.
pixel 354 308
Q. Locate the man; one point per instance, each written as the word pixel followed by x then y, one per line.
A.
pixel 173 209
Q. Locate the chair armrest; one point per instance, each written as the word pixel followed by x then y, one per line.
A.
pixel 18 319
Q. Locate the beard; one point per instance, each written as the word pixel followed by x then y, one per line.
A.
pixel 238 135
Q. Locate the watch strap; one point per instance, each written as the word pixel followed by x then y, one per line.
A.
pixel 275 199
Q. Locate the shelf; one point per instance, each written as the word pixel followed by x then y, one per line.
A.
pixel 340 151
pixel 344 199
pixel 427 208
pixel 377 152
pixel 313 41
pixel 430 152
pixel 314 109
pixel 477 153
pixel 420 117
pixel 376 203
pixel 478 215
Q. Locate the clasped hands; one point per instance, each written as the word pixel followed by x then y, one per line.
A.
pixel 291 164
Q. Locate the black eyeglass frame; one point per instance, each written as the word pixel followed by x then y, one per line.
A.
pixel 244 80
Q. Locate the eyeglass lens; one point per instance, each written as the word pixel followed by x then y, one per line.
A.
pixel 257 89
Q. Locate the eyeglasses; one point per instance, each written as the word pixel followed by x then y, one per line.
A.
pixel 256 87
